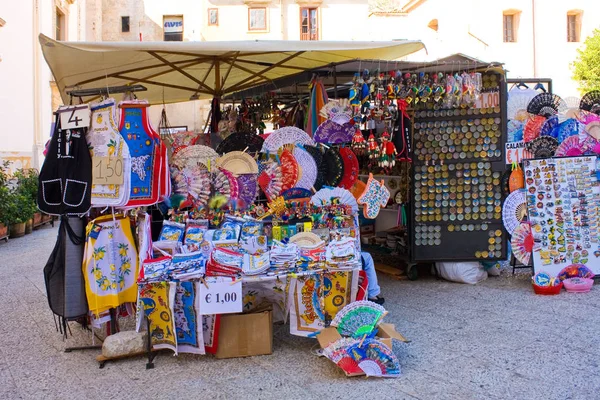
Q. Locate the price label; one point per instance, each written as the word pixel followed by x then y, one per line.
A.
pixel 221 297
pixel 74 117
pixel 488 100
pixel 107 170
pixel 516 152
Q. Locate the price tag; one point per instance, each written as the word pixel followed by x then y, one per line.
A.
pixel 107 170
pixel 221 297
pixel 516 152
pixel 488 100
pixel 75 117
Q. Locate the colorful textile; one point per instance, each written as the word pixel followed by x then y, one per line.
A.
pixel 104 140
pixel 274 291
pixel 190 337
pixel 210 330
pixel 157 300
pixel 110 264
pixel 145 147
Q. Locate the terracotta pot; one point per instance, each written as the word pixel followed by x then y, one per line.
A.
pixel 46 218
pixel 37 219
pixel 3 231
pixel 29 227
pixel 17 230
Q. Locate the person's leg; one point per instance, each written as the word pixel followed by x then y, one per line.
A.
pixel 369 267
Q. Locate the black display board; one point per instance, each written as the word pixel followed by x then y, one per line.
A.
pixel 456 194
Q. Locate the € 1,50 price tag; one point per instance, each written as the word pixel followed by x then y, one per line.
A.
pixel 75 117
pixel 221 297
pixel 107 170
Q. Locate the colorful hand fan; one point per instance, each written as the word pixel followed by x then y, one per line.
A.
pixel 195 155
pixel 546 105
pixel 550 127
pixel 372 357
pixel 351 168
pixel 308 168
pixel 240 141
pixel 569 147
pixel 359 318
pixel 593 129
pixel 193 181
pixel 270 180
pixel 329 195
pixel 533 127
pixel 331 132
pixel 332 167
pixel 543 146
pixel 522 243
pixel 568 128
pixel 283 136
pixel 238 162
pixel 221 183
pixel 248 188
pixel 234 191
pixel 590 102
pixel 289 170
pixel 514 210
pixel 571 111
pixel 296 193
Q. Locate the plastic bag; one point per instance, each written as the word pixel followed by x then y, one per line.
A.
pixel 462 272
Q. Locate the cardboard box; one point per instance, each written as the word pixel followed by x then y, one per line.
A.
pixel 385 334
pixel 244 335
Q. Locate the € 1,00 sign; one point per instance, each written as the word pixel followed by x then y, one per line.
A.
pixel 516 152
pixel 221 297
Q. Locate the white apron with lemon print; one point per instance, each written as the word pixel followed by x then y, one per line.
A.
pixel 104 140
pixel 110 264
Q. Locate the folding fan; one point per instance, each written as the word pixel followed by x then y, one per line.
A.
pixel 296 193
pixel 328 195
pixel 270 180
pixel 375 358
pixel 522 243
pixel 571 110
pixel 194 155
pixel 248 188
pixel 593 129
pixel 549 128
pixel 308 168
pixel 569 147
pixel 332 167
pixel 533 127
pixel 516 106
pixel 359 318
pixel 234 190
pixel 351 168
pixel 283 136
pixel 543 146
pixel 334 133
pixel 514 210
pixel 241 141
pixel 568 128
pixel 590 102
pixel 546 105
pixel 289 170
pixel 193 181
pixel 221 185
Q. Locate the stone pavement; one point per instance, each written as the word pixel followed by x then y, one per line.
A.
pixel 494 340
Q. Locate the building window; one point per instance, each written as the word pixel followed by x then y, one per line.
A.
pixel 510 26
pixel 124 24
pixel 433 24
pixel 257 19
pixel 213 17
pixel 309 24
pixel 61 28
pixel 574 26
pixel 173 28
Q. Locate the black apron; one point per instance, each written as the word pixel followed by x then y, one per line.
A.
pixel 65 186
pixel 63 273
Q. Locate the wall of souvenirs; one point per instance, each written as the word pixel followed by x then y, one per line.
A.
pixel 552 209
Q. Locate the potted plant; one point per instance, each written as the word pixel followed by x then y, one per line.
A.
pixel 4 198
pixel 27 187
pixel 18 212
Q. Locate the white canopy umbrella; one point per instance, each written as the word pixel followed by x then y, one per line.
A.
pixel 182 71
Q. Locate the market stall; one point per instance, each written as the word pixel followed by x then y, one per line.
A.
pixel 552 211
pixel 220 250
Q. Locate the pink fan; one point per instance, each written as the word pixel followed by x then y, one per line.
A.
pixel 569 147
pixel 234 190
pixel 522 243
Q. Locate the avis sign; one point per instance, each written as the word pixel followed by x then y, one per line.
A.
pixel 221 297
pixel 516 152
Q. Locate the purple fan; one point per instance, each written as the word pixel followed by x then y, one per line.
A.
pixel 333 133
pixel 248 187
pixel 550 127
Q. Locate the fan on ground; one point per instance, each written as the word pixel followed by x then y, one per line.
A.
pixel 359 318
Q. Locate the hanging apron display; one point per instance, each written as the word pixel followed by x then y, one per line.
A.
pixel 65 285
pixel 65 186
pixel 110 264
pixel 145 149
pixel 104 140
